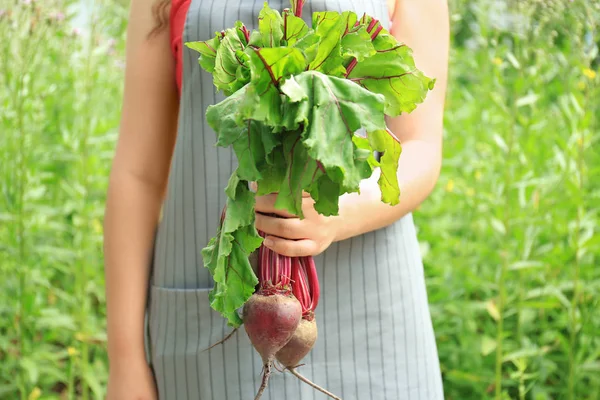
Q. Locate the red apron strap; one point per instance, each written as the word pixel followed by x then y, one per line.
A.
pixel 177 17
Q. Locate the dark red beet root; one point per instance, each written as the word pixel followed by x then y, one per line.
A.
pixel 270 322
pixel 300 344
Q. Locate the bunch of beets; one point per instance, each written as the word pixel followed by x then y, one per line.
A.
pixel 304 112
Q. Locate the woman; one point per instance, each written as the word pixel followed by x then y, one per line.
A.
pixel 375 334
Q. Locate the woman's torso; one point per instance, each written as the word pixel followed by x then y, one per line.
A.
pixel 375 335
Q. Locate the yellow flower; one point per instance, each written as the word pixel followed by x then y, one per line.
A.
pixel 590 73
pixel 478 175
pixel 72 351
pixel 497 60
pixel 35 394
pixel 470 192
pixel 80 336
pixel 450 186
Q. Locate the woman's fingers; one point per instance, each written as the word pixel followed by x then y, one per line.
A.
pixel 287 228
pixel 292 248
pixel 266 205
pixel 253 186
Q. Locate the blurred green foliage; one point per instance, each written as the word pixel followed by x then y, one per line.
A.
pixel 510 237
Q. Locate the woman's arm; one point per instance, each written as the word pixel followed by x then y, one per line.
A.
pixel 424 26
pixel 138 180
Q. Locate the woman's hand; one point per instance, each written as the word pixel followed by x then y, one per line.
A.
pixel 291 236
pixel 131 381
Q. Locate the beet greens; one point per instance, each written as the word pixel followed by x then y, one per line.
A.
pixel 297 97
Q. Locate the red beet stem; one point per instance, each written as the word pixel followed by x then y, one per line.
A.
pixel 351 66
pixel 313 282
pixel 246 33
pixel 223 215
pixel 374 28
pixel 377 31
pixel 274 271
pixel 297 6
pixel 371 25
pixel 279 274
pixel 300 285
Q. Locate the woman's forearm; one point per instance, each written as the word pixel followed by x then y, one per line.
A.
pixel 131 217
pixel 418 171
pixel 420 130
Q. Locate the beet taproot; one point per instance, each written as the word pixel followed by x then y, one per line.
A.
pixel 299 345
pixel 270 321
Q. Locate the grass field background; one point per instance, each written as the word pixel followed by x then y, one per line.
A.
pixel 510 236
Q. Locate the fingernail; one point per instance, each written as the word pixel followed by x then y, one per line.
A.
pixel 268 242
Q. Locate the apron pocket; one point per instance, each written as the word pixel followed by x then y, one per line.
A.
pixel 182 325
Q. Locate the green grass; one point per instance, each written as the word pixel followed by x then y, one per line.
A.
pixel 510 236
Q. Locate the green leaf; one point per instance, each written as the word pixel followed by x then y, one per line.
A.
pixel 488 345
pixel 224 118
pixel 268 68
pixel 299 172
pixel 228 61
pixel 239 281
pixel 52 318
pixel 91 378
pixel 364 159
pixel 336 109
pixel 208 52
pixel 382 141
pixel 391 71
pixel 270 141
pixel 227 255
pixel 329 26
pixel 364 151
pixel 270 26
pixel 273 172
pixel 294 91
pixel 250 149
pixel 242 211
pixel 334 63
pixel 251 140
pixel 357 45
pixel 308 45
pixel 295 28
pixel 234 181
pixel 350 19
pixel 326 194
pixel 31 368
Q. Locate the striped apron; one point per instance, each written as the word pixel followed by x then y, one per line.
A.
pixel 376 339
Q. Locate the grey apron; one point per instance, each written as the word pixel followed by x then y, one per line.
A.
pixel 376 339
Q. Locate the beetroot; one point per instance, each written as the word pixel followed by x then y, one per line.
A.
pixel 305 286
pixel 279 317
pixel 300 344
pixel 270 321
pixel 272 314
